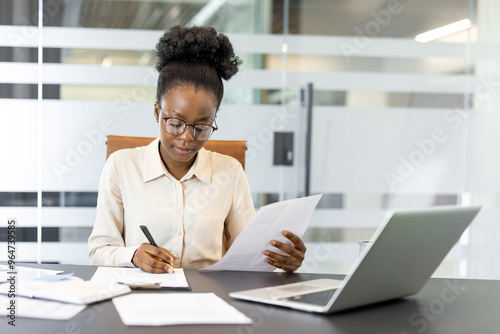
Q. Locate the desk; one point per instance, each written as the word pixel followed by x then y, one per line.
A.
pixel 443 306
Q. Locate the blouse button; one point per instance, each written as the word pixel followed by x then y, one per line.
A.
pixel 179 232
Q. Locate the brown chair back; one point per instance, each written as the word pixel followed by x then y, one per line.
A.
pixel 233 148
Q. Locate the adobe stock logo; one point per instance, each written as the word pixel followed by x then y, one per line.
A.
pixel 452 120
pixel 74 156
pixel 407 165
pixel 430 313
pixel 126 104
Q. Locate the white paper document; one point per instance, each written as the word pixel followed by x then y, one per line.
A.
pixel 246 253
pixel 159 309
pixel 39 308
pixel 69 290
pixel 137 277
pixel 25 273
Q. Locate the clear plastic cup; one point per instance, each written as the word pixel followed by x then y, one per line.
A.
pixel 362 245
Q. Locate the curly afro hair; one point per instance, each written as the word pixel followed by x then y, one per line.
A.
pixel 196 56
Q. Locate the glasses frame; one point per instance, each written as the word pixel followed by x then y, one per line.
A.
pixel 214 128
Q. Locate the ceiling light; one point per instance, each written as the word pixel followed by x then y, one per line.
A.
pixel 443 31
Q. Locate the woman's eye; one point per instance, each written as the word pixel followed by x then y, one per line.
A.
pixel 175 124
pixel 201 128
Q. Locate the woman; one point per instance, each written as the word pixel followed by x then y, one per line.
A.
pixel 186 196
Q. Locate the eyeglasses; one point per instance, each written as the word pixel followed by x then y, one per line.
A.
pixel 176 127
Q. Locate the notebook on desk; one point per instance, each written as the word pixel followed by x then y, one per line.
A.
pixel 405 251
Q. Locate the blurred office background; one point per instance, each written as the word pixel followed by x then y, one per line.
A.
pixel 394 122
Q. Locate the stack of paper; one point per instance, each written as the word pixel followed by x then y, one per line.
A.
pixel 39 308
pixel 69 290
pixel 40 293
pixel 26 273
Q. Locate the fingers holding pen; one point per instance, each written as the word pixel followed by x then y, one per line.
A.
pixel 153 259
pixel 159 252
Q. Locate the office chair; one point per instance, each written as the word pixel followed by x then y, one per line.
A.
pixel 234 148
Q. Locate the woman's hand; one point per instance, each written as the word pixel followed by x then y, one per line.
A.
pixel 294 254
pixel 153 259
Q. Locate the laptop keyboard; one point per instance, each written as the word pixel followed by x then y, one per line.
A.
pixel 316 298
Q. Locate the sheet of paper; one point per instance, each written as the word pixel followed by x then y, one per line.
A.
pixel 72 290
pixel 39 308
pixel 246 253
pixel 159 309
pixel 177 279
pixel 28 287
pixel 55 278
pixel 26 273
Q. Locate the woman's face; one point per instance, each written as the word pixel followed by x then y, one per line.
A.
pixel 193 107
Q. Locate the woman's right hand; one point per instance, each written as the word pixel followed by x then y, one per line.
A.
pixel 153 259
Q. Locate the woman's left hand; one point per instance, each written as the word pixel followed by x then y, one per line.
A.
pixel 294 254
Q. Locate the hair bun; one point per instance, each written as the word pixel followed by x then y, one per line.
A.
pixel 197 44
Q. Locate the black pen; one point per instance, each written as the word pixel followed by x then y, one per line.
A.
pixel 152 241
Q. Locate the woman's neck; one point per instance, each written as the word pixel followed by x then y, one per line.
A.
pixel 176 169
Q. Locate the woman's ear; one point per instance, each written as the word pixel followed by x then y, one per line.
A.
pixel 157 111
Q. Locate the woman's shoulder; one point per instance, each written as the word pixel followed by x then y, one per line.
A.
pixel 128 154
pixel 126 159
pixel 221 161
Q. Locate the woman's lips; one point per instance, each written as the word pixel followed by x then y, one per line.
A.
pixel 183 151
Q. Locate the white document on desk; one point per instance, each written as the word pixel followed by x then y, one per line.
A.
pixel 246 252
pixel 39 308
pixel 25 272
pixel 159 309
pixel 135 276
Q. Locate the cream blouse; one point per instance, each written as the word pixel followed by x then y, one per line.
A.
pixel 187 216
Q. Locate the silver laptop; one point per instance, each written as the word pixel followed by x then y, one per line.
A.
pixel 405 251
